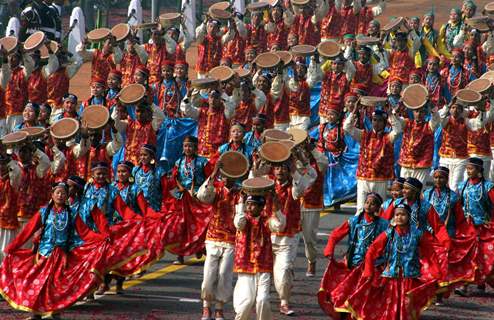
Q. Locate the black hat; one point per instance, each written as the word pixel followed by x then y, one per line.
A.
pixel 260 200
pixel 404 206
pixel 399 180
pixel 413 183
pixel 77 180
pixel 260 116
pixel 150 148
pixel 376 196
pixel 70 96
pixel 99 165
pixel 127 164
pixel 442 170
pixel 476 162
pixel 380 113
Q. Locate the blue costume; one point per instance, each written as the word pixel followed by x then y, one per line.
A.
pixel 150 183
pixel 104 198
pixel 56 231
pixel 402 253
pixel 191 173
pixel 418 216
pixel 244 149
pixel 251 141
pixel 444 204
pixel 128 194
pixel 476 202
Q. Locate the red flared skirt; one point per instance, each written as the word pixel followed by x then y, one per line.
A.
pixel 336 273
pixel 484 256
pixel 186 224
pixel 391 298
pixel 46 285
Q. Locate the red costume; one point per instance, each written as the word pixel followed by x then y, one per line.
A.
pixel 101 65
pixel 454 139
pixel 169 97
pixel 257 37
pixel 156 55
pixel 15 93
pixel 244 113
pixel 138 134
pixel 209 53
pixel 279 37
pixel 290 209
pixel 333 89
pixel 8 205
pixel 213 129
pixel 376 160
pixel 307 32
pixel 299 100
pixel 400 65
pixel 37 87
pixel 365 16
pixel 363 76
pixel 58 86
pixel 128 66
pixel 349 21
pixel 331 24
pixel 417 147
pixel 235 50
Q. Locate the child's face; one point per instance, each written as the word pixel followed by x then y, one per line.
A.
pixel 139 78
pixel 401 217
pixel 28 114
pixel 190 148
pixel 145 157
pixel 338 67
pixel 396 190
pixel 44 114
pixel 395 88
pixel 236 134
pixel 440 180
pixel 113 82
pixel 100 175
pixel 250 55
pixel 97 90
pixel 253 208
pixel 59 196
pixel 350 102
pixel 473 171
pixel 167 72
pixel 409 193
pixel 123 174
pixel 371 205
pixel 181 71
pixel 69 106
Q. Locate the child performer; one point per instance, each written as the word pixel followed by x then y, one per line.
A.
pixel 341 278
pixel 254 225
pixel 396 192
pixel 406 286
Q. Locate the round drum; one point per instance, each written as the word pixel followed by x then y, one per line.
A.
pixel 257 6
pixel 14 138
pixel 204 83
pixel 415 96
pixel 367 41
pixel 121 32
pixel 285 56
pixel 35 41
pixel 95 117
pixel 169 19
pixel 64 129
pixel 99 34
pixel 480 85
pixel 489 8
pixel 34 132
pixel 9 44
pixel 132 93
pixel 257 186
pixel 219 14
pixel 393 25
pixel 44 51
pixel 234 164
pixel 370 101
pixel 303 50
pixel 275 135
pixel 468 96
pixel 329 49
pixel 221 73
pixel 222 5
pixel 267 60
pixel 274 151
pixel 241 72
pixel 299 135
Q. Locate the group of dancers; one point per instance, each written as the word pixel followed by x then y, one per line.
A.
pixel 298 105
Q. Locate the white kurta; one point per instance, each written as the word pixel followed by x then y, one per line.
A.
pixel 78 33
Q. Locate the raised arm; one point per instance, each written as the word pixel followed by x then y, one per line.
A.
pixel 375 250
pixel 349 127
pixel 336 236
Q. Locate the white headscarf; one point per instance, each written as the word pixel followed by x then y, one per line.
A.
pixel 13 27
pixel 78 33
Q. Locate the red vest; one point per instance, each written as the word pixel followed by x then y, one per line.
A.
pixel 156 55
pixel 244 113
pixel 454 140
pixel 221 227
pixel 8 205
pixel 37 87
pixel 331 139
pixel 213 129
pixel 281 115
pixel 417 148
pixel 279 37
pixel 268 110
pixel 69 168
pixel 95 154
pixel 333 89
pixel 128 66
pixel 257 37
pixel 253 249
pixel 16 92
pixel 348 21
pixel 400 65
pixel 2 104
pixel 478 142
pixel 101 65
pixel 235 50
pixel 363 75
pixel 457 82
pixel 290 209
pixel 313 197
pixel 168 98
pixel 376 157
pixel 330 25
pixel 209 54
pixel 137 135
pixel 299 101
pixel 33 192
pixel 58 86
pixel 364 18
pixel 307 32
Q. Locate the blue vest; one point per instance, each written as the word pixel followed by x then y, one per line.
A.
pixel 129 196
pixel 56 230
pixel 402 253
pixel 103 198
pixel 475 201
pixel 444 205
pixel 418 217
pixel 192 172
pixel 251 141
pixel 361 235
pixel 244 149
pixel 150 185
pixel 75 240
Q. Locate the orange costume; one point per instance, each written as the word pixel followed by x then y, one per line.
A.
pixel 15 93
pixel 128 66
pixel 418 145
pixel 257 37
pixel 308 32
pixel 37 87
pixel 400 65
pixel 209 53
pixel 333 89
pixel 58 86
pixel 101 64
pixel 157 53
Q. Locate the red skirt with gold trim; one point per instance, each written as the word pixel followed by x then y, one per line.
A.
pixel 484 256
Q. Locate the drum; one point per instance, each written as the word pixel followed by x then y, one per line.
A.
pixel 300 2
pixel 242 73
pixel 34 42
pixel 370 101
pixel 393 25
pixel 299 135
pixel 222 5
pixel 14 138
pixel 479 85
pixel 205 83
pixel 489 8
pixel 367 41
pixel 257 6
pixel 34 132
pixel 329 49
pixel 468 97
pixel 257 186
pixel 44 51
pixel 99 34
pixel 285 56
pixel 221 73
pixel 169 19
pixel 132 93
pixel 121 32
pixel 415 96
pixel 95 117
pixel 219 14
pixel 303 50
pixel 234 164
pixel 275 135
pixel 290 144
pixel 64 129
pixel 274 152
pixel 488 75
pixel 480 23
pixel 9 44
pixel 267 60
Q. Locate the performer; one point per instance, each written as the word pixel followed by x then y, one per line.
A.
pixel 405 280
pixel 307 22
pixel 436 84
pixel 217 281
pixel 263 82
pixel 253 138
pixel 375 165
pixel 417 147
pixel 256 32
pixel 167 96
pixel 290 186
pixel 236 142
pixel 102 61
pixel 180 42
pixel 72 151
pixel 402 58
pixel 98 96
pixel 341 277
pixel 37 81
pixel 30 116
pixel 278 27
pixel 149 177
pixel 251 101
pixel 396 192
pixel 234 49
pixel 254 224
pixel 332 21
pixel 449 31
pixel 113 84
pixel 367 14
pixel 477 198
pixel 134 56
pixel 158 50
pixel 69 108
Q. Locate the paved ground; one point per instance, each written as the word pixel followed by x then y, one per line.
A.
pixel 172 292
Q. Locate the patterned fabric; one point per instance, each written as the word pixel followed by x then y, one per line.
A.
pixel 454 139
pixel 138 134
pixel 15 93
pixel 349 21
pixel 235 50
pixel 101 65
pixel 476 202
pixel 402 254
pixel 364 17
pixel 37 87
pixel 436 86
pixel 331 24
pixel 167 96
pixel 209 54
pixel 149 181
pixel 191 174
pixel 102 197
pixel 244 112
pixel 419 215
pixel 221 227
pixel 363 76
pixel 8 205
pixel 257 37
pixel 212 129
pixel 444 202
pixel 333 89
pixel 400 65
pixel 299 100
pixel 478 142
pixel 279 37
pixel 156 55
pixel 376 157
pixel 290 209
pixel 307 32
pixel 58 86
pixel 252 140
pixel 417 147
pixel 128 66
pixel 33 191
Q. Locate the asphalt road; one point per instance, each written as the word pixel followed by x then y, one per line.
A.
pixel 172 292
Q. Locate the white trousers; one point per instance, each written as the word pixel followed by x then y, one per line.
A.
pixel 300 122
pixel 310 225
pixel 6 237
pixel 487 166
pixel 250 290
pixel 284 259
pixel 281 126
pixel 423 175
pixel 217 284
pixel 13 121
pixel 456 170
pixel 364 187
